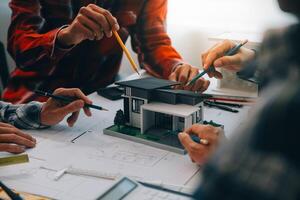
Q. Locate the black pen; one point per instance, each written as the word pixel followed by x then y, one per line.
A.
pixel 231 52
pixel 67 99
pixel 10 193
pixel 227 104
pixel 162 188
pixel 221 107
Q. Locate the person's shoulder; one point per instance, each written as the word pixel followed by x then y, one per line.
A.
pixel 278 55
pixel 266 147
pixel 281 94
pixel 279 32
pixel 279 35
pixel 278 113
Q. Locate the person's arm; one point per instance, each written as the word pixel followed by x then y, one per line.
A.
pixel 155 52
pixel 250 72
pixel 262 160
pixel 215 56
pixel 34 48
pixel 25 116
pixel 36 115
pixel 153 45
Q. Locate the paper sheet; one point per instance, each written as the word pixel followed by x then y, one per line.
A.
pixel 92 151
pixel 95 151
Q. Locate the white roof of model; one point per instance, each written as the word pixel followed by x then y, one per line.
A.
pixel 180 110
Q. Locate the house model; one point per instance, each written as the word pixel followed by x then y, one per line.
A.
pixel 154 113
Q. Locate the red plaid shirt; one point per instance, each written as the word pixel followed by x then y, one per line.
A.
pixel 42 64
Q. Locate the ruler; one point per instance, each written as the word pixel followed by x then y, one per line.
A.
pixel 13 160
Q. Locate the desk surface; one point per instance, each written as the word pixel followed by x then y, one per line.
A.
pixel 95 151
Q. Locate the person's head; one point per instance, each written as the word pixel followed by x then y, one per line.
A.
pixel 291 6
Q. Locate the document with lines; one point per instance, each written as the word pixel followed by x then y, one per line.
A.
pixel 97 152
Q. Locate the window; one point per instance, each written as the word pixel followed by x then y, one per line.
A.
pixel 164 121
pixel 126 109
pixel 136 105
pixel 128 91
pixel 198 116
pixel 181 119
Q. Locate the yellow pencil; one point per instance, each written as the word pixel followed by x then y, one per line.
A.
pixel 133 65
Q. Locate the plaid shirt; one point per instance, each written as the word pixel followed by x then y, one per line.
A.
pixel 263 161
pixel 26 116
pixel 42 64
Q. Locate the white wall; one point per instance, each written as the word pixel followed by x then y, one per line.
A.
pixel 238 15
pixel 190 22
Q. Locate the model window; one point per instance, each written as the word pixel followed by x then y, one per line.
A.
pixel 126 109
pixel 136 105
pixel 181 119
pixel 194 118
pixel 128 91
pixel 198 116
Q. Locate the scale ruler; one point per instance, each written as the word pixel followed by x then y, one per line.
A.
pixel 13 160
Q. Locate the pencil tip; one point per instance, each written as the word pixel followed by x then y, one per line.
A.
pixel 104 109
pixel 189 83
pixel 204 141
pixel 245 42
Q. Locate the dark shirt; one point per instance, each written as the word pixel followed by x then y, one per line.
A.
pixel 262 162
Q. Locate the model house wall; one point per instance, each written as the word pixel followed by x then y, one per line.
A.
pixel 175 118
pixel 150 103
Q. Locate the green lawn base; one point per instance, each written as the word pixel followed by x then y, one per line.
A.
pixel 167 140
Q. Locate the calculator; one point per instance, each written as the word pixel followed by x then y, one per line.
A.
pixel 128 189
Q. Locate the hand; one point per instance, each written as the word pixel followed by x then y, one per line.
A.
pixel 184 73
pixel 54 111
pixel 216 57
pixel 13 140
pixel 91 23
pixel 200 153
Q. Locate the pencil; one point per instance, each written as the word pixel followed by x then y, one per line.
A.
pixel 133 65
pixel 199 140
pixel 67 99
pixel 231 52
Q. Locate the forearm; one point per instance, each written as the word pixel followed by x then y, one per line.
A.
pixel 32 46
pixel 152 43
pixel 25 116
pixel 158 66
pixel 250 71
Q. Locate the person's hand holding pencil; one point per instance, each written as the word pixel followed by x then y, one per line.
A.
pixel 208 140
pixel 216 56
pixel 91 23
pixel 54 111
pixel 184 73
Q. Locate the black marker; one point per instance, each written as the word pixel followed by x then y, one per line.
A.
pixel 221 107
pixel 67 100
pixel 227 104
